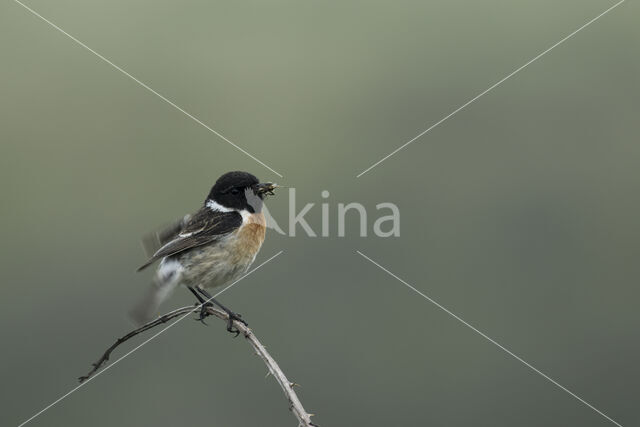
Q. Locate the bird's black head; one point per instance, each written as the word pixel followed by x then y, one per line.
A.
pixel 239 190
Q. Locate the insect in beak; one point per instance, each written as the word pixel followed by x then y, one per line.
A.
pixel 266 188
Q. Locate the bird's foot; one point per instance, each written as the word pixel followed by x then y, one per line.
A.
pixel 238 318
pixel 204 312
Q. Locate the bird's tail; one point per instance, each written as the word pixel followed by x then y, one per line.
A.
pixel 147 308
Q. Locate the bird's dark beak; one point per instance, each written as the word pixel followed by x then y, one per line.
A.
pixel 266 188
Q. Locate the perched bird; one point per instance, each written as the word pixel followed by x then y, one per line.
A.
pixel 210 248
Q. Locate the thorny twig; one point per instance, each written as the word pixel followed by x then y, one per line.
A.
pixel 303 417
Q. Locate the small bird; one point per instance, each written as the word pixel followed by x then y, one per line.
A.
pixel 210 248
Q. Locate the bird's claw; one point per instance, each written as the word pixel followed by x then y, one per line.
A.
pixel 238 318
pixel 204 313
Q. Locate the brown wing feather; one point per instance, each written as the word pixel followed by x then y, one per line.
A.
pixel 205 226
pixel 153 241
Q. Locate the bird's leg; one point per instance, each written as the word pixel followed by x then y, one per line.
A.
pixel 232 316
pixel 204 303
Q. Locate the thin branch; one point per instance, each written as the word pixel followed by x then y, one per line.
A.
pixel 160 320
pixel 295 406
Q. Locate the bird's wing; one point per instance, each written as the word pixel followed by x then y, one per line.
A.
pixel 155 240
pixel 205 226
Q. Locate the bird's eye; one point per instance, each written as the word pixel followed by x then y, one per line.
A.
pixel 234 191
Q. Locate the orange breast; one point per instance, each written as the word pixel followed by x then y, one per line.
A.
pixel 250 237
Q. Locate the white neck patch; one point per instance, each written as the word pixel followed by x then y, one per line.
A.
pixel 217 207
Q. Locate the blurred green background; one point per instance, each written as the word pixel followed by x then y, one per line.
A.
pixel 519 214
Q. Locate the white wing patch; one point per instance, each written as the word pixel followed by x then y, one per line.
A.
pixel 190 233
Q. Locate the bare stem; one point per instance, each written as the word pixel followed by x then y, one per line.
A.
pixel 303 417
